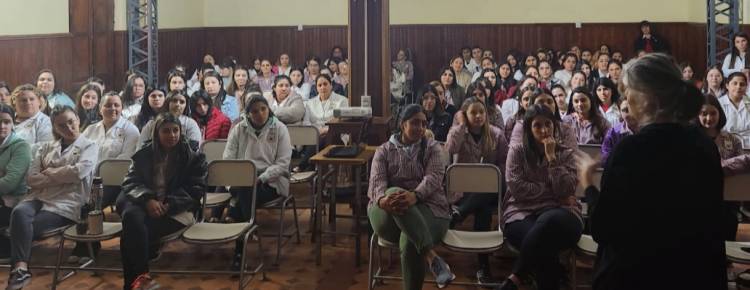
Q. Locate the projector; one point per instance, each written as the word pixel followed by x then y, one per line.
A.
pixel 353 112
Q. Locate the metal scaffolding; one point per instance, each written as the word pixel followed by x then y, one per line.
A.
pixel 723 24
pixel 143 34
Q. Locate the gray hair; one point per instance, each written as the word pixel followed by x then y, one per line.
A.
pixel 658 80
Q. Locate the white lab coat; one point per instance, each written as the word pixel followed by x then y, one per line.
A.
pixel 35 130
pixel 64 191
pixel 117 143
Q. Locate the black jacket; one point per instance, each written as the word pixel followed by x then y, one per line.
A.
pixel 659 220
pixel 184 189
pixel 440 125
pixel 657 43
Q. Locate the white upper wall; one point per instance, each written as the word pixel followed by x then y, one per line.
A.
pixel 26 17
pixel 172 13
pixel 23 17
pixel 544 11
pixel 228 13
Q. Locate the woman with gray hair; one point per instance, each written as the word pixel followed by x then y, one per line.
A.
pixel 666 169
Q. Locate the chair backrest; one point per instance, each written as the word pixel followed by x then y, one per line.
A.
pixel 214 149
pixel 303 135
pixel 113 171
pixel 473 177
pixel 231 173
pixel 235 173
pixel 737 187
pixel 596 179
pixel 593 150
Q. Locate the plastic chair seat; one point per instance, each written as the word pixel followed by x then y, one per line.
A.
pixel 109 231
pixel 587 245
pixel 300 177
pixel 214 233
pixel 735 252
pixel 51 233
pixel 219 198
pixel 474 242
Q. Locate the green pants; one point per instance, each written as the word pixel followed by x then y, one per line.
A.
pixel 417 231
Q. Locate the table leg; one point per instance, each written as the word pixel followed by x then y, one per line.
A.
pixel 332 204
pixel 357 213
pixel 317 223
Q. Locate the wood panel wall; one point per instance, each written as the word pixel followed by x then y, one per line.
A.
pixel 433 45
pixel 76 55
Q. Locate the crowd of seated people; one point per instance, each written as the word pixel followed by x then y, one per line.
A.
pixel 526 117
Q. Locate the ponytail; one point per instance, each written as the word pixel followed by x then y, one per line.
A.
pixel 690 103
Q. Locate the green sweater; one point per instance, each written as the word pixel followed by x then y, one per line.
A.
pixel 15 158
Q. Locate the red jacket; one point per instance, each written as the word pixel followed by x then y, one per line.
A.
pixel 217 127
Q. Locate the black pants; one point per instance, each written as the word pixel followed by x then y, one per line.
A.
pixel 241 211
pixel 540 239
pixel 140 236
pixel 4 223
pixel 481 205
pixel 109 197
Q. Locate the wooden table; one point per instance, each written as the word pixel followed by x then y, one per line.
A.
pixel 322 163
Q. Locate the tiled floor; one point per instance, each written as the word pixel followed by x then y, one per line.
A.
pixel 297 270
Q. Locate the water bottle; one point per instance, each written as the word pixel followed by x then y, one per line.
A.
pixel 95 217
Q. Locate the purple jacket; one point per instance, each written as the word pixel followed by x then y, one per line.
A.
pixel 534 186
pixel 585 131
pixel 398 165
pixel 462 143
pixel 613 137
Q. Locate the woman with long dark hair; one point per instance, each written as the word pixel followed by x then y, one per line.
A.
pixel 160 195
pixel 540 216
pixel 211 121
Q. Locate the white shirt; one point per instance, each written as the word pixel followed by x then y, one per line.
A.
pixel 65 191
pixel 564 77
pixel 737 66
pixel 131 111
pixel 473 66
pixel 738 118
pixel 118 142
pixel 189 126
pixel 35 130
pixel 612 114
pixel 303 91
pixel 318 113
pixel 509 109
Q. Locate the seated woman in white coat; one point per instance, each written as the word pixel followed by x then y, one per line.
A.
pixel 32 125
pixel 117 138
pixel 318 111
pixel 263 139
pixel 60 181
pixel 175 104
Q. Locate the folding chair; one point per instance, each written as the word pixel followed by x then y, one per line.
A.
pixel 241 173
pixel 586 245
pixel 112 172
pixel 214 150
pixel 460 177
pixel 736 189
pixel 305 136
pixel 593 150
